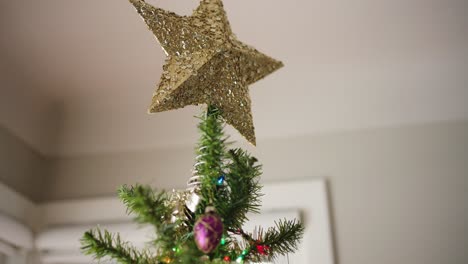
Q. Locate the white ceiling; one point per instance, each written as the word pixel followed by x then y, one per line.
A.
pixel 77 76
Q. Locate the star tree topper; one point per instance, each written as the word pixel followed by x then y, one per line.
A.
pixel 205 63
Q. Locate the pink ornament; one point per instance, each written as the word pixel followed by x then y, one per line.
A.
pixel 208 231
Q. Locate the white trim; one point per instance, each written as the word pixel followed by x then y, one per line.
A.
pixel 66 238
pixel 98 210
pixel 15 234
pixel 310 197
pixel 17 206
pixel 69 257
pixel 7 249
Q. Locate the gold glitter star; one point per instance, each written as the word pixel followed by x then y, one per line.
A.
pixel 205 63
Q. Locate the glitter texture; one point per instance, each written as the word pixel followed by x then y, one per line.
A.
pixel 205 63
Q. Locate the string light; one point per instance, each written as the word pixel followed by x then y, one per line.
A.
pixel 240 259
pixel 176 249
pixel 221 179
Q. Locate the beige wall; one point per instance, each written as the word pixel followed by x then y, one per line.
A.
pixel 399 195
pixel 21 167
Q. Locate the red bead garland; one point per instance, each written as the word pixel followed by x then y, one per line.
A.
pixel 263 249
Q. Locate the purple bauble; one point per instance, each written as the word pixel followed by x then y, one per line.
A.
pixel 208 231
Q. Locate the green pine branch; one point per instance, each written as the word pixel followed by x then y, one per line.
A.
pixel 284 238
pixel 104 244
pixel 153 208
pixel 210 152
pixel 244 188
pixel 147 205
pixel 234 197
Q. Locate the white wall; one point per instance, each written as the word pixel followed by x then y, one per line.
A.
pixel 398 194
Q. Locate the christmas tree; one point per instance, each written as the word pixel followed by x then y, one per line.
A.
pixel 206 64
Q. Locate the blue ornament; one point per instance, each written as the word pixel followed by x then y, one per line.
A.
pixel 221 180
